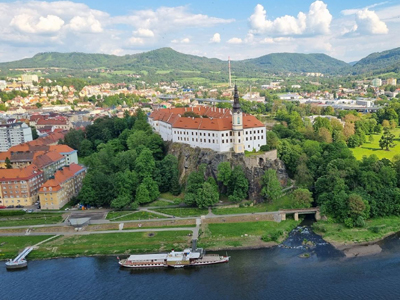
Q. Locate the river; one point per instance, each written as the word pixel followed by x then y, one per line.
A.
pixel 275 273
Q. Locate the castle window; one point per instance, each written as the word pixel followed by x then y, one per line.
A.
pixel 223 142
pixel 231 140
pixel 227 141
pixel 209 141
pixel 209 134
pixel 250 138
pixel 258 131
pixel 247 139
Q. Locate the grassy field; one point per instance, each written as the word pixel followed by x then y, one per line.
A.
pixel 282 203
pixel 373 148
pixel 105 244
pixel 183 212
pixel 11 245
pixel 375 229
pixel 246 234
pixel 130 215
pixel 169 196
pixel 159 203
pixel 31 219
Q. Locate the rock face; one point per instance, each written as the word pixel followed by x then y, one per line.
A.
pixel 254 166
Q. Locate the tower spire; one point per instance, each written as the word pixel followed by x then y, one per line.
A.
pixel 236 104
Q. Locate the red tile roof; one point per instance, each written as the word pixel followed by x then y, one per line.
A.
pixel 216 118
pixel 61 176
pixel 19 174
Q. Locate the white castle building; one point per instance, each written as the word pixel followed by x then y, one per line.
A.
pixel 218 129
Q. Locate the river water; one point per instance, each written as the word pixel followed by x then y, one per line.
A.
pixel 275 273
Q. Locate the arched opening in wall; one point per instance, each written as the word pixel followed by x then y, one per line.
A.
pixel 260 162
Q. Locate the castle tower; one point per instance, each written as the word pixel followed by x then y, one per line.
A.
pixel 237 124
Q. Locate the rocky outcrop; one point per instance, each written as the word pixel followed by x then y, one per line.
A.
pixel 254 166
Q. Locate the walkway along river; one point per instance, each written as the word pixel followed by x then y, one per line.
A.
pixel 275 273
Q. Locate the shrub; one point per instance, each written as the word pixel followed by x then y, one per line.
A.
pixel 349 223
pixel 374 229
pixel 360 222
pixel 273 236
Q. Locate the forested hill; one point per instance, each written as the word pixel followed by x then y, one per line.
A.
pixel 297 62
pixel 167 59
pixel 379 62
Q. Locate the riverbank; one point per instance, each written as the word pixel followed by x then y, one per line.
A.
pixel 358 241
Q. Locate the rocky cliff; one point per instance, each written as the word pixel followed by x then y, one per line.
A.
pixel 254 165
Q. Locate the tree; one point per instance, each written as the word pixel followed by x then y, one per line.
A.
pixel 271 186
pixel 85 148
pixel 121 201
pixel 272 140
pixel 194 183
pixel 238 185
pixel 302 198
pixel 207 195
pixel 371 138
pixel 142 195
pixel 34 133
pixel 145 164
pixel 224 174
pixel 386 140
pixel 151 187
pixel 8 163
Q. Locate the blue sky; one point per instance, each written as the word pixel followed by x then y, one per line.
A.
pixel 347 30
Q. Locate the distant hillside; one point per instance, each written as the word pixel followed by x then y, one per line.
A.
pixel 379 62
pixel 167 60
pixel 296 62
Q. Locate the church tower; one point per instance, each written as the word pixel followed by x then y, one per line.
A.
pixel 237 124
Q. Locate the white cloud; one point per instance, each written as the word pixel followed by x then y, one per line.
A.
pixel 168 18
pixel 143 32
pixel 136 41
pixel 316 21
pixel 30 24
pixel 368 22
pixel 216 38
pixel 85 24
pixel 235 40
pixel 269 40
pixel 182 41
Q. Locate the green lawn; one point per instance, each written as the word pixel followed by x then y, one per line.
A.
pixel 10 246
pixel 159 203
pixel 130 215
pixel 282 203
pixel 163 71
pixel 105 244
pixel 373 148
pixel 223 235
pixel 169 196
pixel 183 212
pixel 375 229
pixel 31 219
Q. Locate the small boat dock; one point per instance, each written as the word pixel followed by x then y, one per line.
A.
pixel 19 261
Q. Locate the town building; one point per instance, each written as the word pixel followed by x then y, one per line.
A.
pixel 376 82
pixel 391 81
pixel 60 188
pixel 20 186
pixel 14 134
pixel 221 130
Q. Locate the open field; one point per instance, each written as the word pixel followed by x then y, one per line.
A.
pixel 375 229
pixel 105 244
pixel 183 212
pixel 368 148
pixel 31 219
pixel 247 234
pixel 131 215
pixel 11 245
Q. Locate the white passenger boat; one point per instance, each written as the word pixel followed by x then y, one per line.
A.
pixel 175 259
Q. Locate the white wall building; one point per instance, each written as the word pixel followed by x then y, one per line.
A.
pixel 221 130
pixel 14 134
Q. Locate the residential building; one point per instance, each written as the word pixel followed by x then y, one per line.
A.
pixel 391 81
pixel 20 186
pixel 59 189
pixel 29 79
pixel 221 130
pixel 376 82
pixel 14 134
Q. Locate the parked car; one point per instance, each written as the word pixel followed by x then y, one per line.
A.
pixel 2 206
pixel 29 211
pixel 19 206
pixel 10 206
